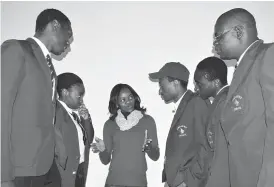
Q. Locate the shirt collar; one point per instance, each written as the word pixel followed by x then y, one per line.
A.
pixel 178 102
pixel 42 46
pixel 241 57
pixel 69 110
pixel 221 89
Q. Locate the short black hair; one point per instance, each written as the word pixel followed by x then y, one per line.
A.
pixel 114 94
pixel 66 81
pixel 215 68
pixel 240 16
pixel 49 15
pixel 182 83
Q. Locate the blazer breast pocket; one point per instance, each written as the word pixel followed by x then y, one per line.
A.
pixel 238 104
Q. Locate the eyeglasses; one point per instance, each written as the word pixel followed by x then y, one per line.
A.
pixel 219 37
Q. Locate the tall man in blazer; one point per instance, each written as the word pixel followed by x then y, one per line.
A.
pixel 74 122
pixel 186 138
pixel 28 101
pixel 248 114
pixel 211 81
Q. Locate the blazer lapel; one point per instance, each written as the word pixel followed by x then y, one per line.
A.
pixel 213 106
pixel 181 107
pixel 72 134
pixel 38 53
pixel 243 69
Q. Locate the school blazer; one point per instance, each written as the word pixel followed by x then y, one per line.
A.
pixel 248 119
pixel 217 157
pixel 27 111
pixel 185 140
pixel 70 137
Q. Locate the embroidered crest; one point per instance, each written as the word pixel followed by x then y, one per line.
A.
pixel 237 103
pixel 182 130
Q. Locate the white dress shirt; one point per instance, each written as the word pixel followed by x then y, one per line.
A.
pixel 79 132
pixel 45 52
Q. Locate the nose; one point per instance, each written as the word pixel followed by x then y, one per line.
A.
pixel 160 91
pixel 81 100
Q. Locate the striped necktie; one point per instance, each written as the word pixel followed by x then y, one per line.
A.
pixel 52 75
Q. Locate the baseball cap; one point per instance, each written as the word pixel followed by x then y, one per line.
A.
pixel 172 69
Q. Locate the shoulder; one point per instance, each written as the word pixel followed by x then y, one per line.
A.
pixel 198 102
pixel 11 45
pixel 149 119
pixel 109 124
pixel 267 64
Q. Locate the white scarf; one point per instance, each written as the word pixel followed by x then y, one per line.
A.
pixel 132 119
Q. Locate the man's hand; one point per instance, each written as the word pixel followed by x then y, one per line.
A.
pixel 99 146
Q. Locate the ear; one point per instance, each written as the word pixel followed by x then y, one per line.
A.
pixel 55 25
pixel 216 82
pixel 176 83
pixel 64 92
pixel 239 31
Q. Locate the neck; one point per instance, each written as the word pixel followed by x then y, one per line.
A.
pixel 245 46
pixel 125 113
pixel 180 94
pixel 44 40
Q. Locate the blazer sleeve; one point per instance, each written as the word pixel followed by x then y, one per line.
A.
pixel 196 154
pixel 13 72
pixel 60 148
pixel 266 178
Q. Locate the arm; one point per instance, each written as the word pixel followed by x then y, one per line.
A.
pixel 60 148
pixel 196 153
pixel 105 156
pixel 201 119
pixel 267 84
pixel 153 152
pixel 12 70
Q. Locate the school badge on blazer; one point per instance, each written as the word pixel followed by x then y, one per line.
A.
pixel 181 129
pixel 237 103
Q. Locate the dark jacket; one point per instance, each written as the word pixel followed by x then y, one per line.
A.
pixel 185 141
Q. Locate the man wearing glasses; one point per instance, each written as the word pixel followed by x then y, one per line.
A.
pixel 248 115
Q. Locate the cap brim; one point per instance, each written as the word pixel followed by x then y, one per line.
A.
pixel 156 75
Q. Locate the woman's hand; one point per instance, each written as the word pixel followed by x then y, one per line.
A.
pixel 98 146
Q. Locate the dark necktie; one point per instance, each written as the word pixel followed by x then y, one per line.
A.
pixel 52 75
pixel 77 119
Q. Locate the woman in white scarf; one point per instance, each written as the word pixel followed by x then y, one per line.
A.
pixel 128 135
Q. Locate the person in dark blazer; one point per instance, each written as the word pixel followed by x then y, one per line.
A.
pixel 248 114
pixel 211 81
pixel 74 122
pixel 186 139
pixel 28 101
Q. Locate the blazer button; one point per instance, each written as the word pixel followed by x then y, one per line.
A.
pixel 74 172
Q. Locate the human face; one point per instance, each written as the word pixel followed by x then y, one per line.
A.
pixel 204 87
pixel 126 100
pixel 225 42
pixel 74 96
pixel 62 39
pixel 166 90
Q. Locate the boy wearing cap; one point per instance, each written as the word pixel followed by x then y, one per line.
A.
pixel 74 122
pixel 186 139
